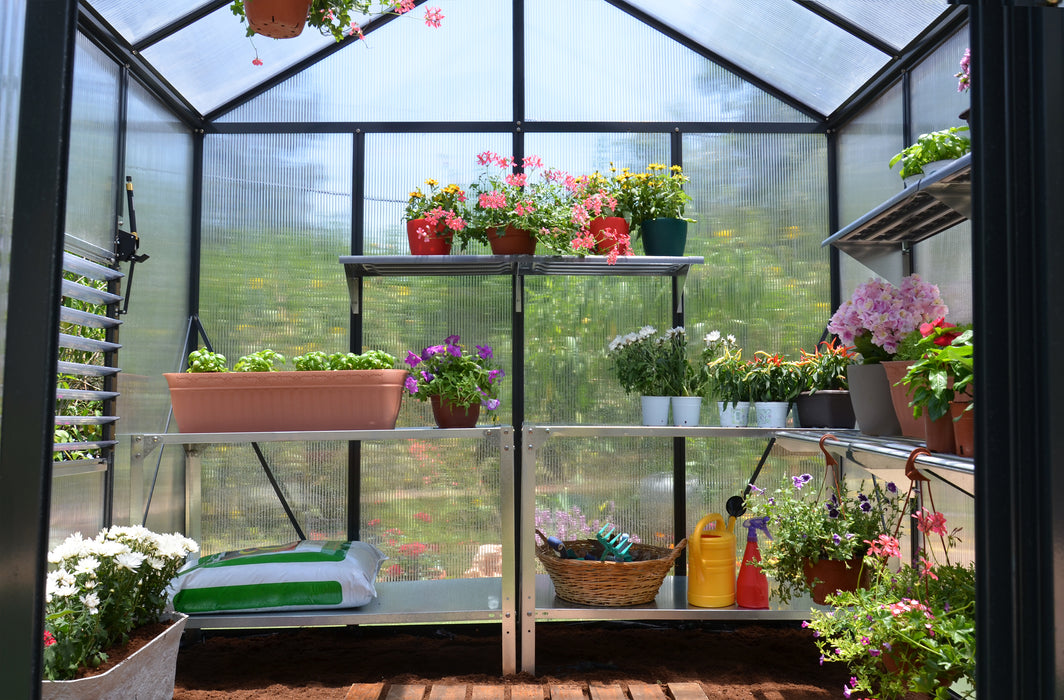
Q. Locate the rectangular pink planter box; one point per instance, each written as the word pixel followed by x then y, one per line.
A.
pixel 248 402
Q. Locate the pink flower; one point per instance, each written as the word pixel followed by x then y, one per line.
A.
pixel 516 179
pixel 533 162
pixel 423 517
pixel 256 61
pixel 403 6
pixel 433 15
pixel 887 313
pixel 492 200
pixel 523 208
pixel 356 31
pixel 928 522
pixel 884 546
pixel 486 158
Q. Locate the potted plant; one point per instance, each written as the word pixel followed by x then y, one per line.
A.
pixel 875 320
pixel 456 382
pixel 98 592
pixel 281 19
pixel 726 379
pixel 912 630
pixel 341 391
pixel 942 377
pixel 640 363
pixel 684 381
pixel 824 401
pixel 432 219
pixel 513 211
pixel 656 200
pixel 773 384
pixel 818 540
pixel 597 211
pixel 937 146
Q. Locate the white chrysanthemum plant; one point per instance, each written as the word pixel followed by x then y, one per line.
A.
pixel 100 589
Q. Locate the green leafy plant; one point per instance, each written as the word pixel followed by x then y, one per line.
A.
pixel 204 360
pixel 656 193
pixel 451 372
pixel 771 378
pixel 100 589
pixel 640 362
pixel 319 361
pixel 944 371
pixel 726 376
pixel 913 628
pixel 807 527
pixel 938 145
pixel 261 361
pixel 825 368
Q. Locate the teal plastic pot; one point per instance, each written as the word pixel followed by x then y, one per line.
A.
pixel 664 237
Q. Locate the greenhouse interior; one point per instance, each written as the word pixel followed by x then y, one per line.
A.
pixel 631 199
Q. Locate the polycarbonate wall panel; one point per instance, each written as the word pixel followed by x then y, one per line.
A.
pixel 91 186
pixel 397 164
pixel 77 506
pixel 760 205
pixel 406 71
pixel 936 103
pixel 946 260
pixel 159 159
pixel 12 21
pixel 897 23
pixel 686 86
pixel 276 218
pixel 781 42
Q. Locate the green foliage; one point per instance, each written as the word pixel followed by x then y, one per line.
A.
pixel 204 360
pixel 947 144
pixel 261 361
pixel 919 617
pixel 942 373
pixel 825 368
pixel 319 361
pixel 807 528
pixel 771 378
pixel 653 194
pixel 726 374
pixel 455 374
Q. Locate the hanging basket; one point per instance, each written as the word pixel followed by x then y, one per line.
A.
pixel 278 19
pixel 607 583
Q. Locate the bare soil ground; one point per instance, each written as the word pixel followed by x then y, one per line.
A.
pixel 739 662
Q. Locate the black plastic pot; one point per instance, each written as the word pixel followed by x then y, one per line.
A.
pixel 825 409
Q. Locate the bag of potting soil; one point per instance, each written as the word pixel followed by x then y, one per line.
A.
pixel 301 575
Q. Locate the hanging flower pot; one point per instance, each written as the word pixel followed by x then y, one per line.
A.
pixel 278 19
pixel 512 241
pixel 448 415
pixel 426 241
pixel 829 576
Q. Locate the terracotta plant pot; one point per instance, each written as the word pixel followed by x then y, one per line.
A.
pixel 963 428
pixel 940 434
pixel 513 241
pixel 617 223
pixel 239 402
pixel 910 427
pixel 828 576
pixel 827 408
pixel 437 244
pixel 279 19
pixel 448 415
pixel 872 405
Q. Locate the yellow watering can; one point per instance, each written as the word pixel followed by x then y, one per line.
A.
pixel 711 563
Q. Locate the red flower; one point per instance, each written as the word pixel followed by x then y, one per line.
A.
pixel 413 549
pixel 424 517
pixel 942 340
pixel 49 639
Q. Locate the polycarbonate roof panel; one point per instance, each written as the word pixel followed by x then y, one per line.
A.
pixel 896 23
pixel 209 61
pixel 779 41
pixel 136 20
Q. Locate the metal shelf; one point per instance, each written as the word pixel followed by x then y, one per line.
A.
pixel 935 203
pixel 463 265
pixel 885 456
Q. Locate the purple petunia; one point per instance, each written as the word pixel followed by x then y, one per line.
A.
pixel 491 404
pixel 800 481
pixel 411 385
pixel 484 352
pixel 412 358
pixel 452 340
pixel 892 487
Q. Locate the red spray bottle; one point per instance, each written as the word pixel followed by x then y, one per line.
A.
pixel 751 589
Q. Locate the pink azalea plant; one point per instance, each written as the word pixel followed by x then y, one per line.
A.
pixel 879 315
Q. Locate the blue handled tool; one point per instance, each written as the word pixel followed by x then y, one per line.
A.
pixel 615 546
pixel 558 546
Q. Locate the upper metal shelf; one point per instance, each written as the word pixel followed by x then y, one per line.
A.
pixel 465 265
pixel 932 205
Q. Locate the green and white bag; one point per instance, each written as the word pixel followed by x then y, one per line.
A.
pixel 301 575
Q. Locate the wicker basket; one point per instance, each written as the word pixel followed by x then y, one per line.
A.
pixel 607 583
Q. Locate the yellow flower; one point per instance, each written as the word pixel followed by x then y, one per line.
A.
pixel 655 166
pixel 431 183
pixel 676 169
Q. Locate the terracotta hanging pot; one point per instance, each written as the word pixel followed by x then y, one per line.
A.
pixel 436 244
pixel 278 19
pixel 828 576
pixel 448 415
pixel 513 241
